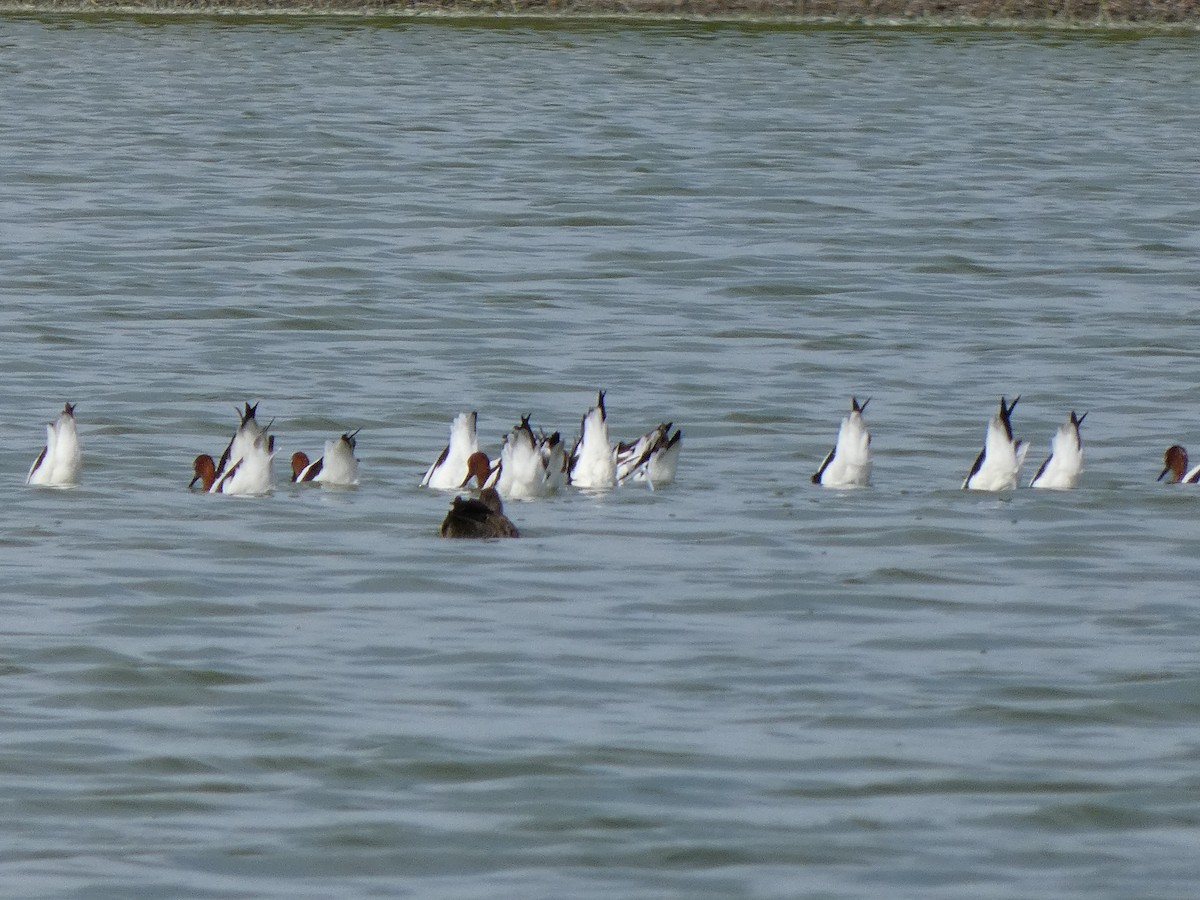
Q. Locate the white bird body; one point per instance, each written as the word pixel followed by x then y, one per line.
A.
pixel 652 458
pixel 531 464
pixel 338 467
pixel 449 471
pixel 61 459
pixel 251 473
pixel 593 459
pixel 245 466
pixel 999 462
pixel 242 442
pixel 1063 466
pixel 849 462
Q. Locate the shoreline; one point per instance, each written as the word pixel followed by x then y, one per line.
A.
pixel 1115 15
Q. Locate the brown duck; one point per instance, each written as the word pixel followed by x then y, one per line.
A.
pixel 481 517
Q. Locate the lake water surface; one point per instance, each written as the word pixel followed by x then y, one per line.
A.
pixel 739 685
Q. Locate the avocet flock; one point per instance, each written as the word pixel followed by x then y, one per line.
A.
pixel 533 464
pixel 530 464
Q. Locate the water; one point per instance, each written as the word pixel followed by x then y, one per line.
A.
pixel 737 686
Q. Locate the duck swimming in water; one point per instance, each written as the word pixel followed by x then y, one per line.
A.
pixel 481 517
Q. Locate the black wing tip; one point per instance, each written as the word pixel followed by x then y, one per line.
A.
pixel 1006 415
pixel 975 468
pixel 38 462
pixel 600 406
pixel 1041 470
pixel 816 479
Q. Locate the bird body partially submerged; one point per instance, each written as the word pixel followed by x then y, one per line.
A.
pixel 482 516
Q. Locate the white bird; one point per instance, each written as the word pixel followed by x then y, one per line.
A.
pixel 242 442
pixel 1061 469
pixel 1176 460
pixel 531 464
pixel 999 462
pixel 849 462
pixel 652 458
pixel 252 473
pixel 61 459
pixel 593 459
pixel 337 467
pixel 449 471
pixel 245 466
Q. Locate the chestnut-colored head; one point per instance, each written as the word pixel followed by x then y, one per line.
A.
pixel 206 471
pixel 479 467
pixel 1175 464
pixel 299 463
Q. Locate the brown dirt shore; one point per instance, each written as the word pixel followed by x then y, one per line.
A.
pixel 1154 14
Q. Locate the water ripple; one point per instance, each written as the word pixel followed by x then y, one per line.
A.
pixel 737 686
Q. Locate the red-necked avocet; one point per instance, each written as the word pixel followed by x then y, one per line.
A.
pixel 999 462
pixel 593 462
pixel 245 466
pixel 449 471
pixel 250 475
pixel 1176 465
pixel 652 458
pixel 1062 467
pixel 849 462
pixel 338 467
pixel 532 464
pixel 60 461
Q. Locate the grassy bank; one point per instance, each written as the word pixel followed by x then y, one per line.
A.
pixel 1063 13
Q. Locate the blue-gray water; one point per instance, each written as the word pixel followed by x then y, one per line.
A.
pixel 737 686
